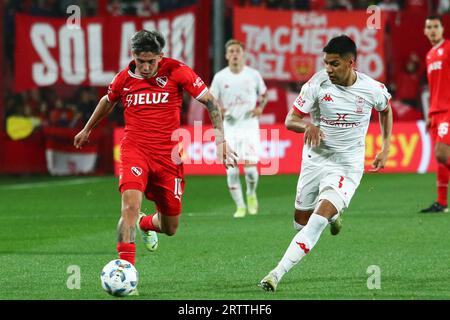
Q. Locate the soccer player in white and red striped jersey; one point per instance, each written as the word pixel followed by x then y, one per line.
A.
pixel 151 91
pixel 339 100
pixel 438 118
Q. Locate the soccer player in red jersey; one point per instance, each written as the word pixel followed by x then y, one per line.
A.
pixel 438 119
pixel 151 91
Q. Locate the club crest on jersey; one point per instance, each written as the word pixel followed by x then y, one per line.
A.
pixel 440 51
pixel 360 102
pixel 161 81
pixel 136 171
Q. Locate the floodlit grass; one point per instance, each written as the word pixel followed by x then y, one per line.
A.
pixel 49 224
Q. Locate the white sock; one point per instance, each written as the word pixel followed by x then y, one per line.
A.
pixel 298 226
pixel 251 178
pixel 234 185
pixel 300 245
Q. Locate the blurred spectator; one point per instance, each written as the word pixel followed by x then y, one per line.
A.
pixel 407 82
pixel 34 101
pixel 318 4
pixel 362 4
pixel 62 115
pixel 339 5
pixel 87 8
pixel 443 6
pixel 115 8
pixel 20 123
pixel 86 105
pixel 296 4
pixel 417 6
pixel 250 3
pixel 169 5
pixel 389 5
pixel 46 8
pixel 147 8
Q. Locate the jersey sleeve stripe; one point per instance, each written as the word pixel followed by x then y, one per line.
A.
pixel 298 111
pixel 387 106
pixel 202 93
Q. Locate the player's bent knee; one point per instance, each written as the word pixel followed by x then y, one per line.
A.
pixel 334 198
pixel 441 158
pixel 169 224
pixel 301 217
pixel 131 209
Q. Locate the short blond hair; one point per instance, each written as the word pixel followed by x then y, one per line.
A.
pixel 232 42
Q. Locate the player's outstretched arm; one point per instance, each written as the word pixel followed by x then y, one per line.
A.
pixel 224 152
pixel 386 122
pixel 104 107
pixel 313 135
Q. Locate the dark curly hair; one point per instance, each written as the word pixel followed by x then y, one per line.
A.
pixel 147 41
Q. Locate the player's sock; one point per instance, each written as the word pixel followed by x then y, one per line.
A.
pixel 298 226
pixel 126 251
pixel 147 224
pixel 234 185
pixel 301 244
pixel 251 178
pixel 335 217
pixel 442 177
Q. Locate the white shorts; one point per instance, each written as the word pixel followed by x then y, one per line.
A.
pixel 314 180
pixel 245 142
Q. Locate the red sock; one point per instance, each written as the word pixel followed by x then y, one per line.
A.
pixel 442 183
pixel 126 251
pixel 146 223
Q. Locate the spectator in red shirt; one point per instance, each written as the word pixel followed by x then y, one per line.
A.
pixel 407 82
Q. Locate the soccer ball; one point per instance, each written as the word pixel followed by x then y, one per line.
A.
pixel 119 277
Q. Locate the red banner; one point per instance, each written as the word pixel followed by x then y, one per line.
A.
pixel 287 45
pixel 52 50
pixel 411 149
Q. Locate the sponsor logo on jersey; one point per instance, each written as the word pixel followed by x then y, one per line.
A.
pixel 198 82
pixel 437 65
pixel 341 121
pixel 136 171
pixel 161 81
pixel 327 97
pixel 147 98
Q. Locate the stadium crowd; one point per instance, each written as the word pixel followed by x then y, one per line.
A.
pixel 71 106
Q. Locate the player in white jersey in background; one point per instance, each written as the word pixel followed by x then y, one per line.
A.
pixel 242 93
pixel 339 101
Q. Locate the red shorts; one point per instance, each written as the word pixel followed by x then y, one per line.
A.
pixel 157 176
pixel 439 128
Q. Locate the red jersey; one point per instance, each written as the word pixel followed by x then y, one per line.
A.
pixel 438 73
pixel 153 106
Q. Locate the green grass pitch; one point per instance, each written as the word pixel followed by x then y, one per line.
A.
pixel 49 224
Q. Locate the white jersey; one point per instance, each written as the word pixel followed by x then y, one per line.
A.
pixel 238 93
pixel 343 115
